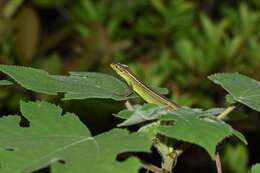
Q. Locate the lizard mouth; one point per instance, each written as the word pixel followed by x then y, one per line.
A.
pixel 113 66
pixel 116 67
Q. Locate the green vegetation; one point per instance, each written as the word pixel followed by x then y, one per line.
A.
pixel 59 52
pixel 51 137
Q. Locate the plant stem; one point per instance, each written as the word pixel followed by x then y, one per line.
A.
pixel 128 105
pixel 218 163
pixel 170 157
pixel 224 114
pixel 151 167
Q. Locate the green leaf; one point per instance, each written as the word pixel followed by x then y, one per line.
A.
pixel 235 158
pixel 256 168
pixel 230 99
pixel 5 82
pixel 190 125
pixel 147 112
pixel 160 90
pixel 243 89
pixel 197 127
pixel 79 85
pixel 52 138
pixel 109 145
pixel 76 86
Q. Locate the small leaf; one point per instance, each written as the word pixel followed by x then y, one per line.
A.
pixel 235 158
pixel 160 90
pixel 214 111
pixel 256 168
pixel 52 138
pixel 197 127
pixel 140 114
pixel 242 88
pixel 6 82
pixel 230 99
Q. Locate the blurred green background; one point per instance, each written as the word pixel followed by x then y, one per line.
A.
pixel 168 43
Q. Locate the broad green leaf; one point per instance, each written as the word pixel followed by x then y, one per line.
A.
pixel 76 86
pixel 109 145
pixel 197 127
pixel 52 137
pixel 256 168
pixel 49 135
pixel 79 85
pixel 242 88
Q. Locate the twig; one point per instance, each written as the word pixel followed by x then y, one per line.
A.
pixel 128 105
pixel 223 115
pixel 151 167
pixel 169 156
pixel 218 163
pixel 180 150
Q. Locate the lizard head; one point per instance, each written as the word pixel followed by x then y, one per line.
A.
pixel 122 70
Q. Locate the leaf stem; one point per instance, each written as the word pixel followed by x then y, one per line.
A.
pixel 177 152
pixel 224 114
pixel 218 163
pixel 128 105
pixel 151 167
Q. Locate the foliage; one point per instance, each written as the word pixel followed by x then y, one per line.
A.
pixel 198 127
pixel 177 29
pixel 236 159
pixel 190 125
pixel 256 168
pixel 66 136
pixel 174 43
pixel 53 137
pixel 78 85
pixel 242 88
